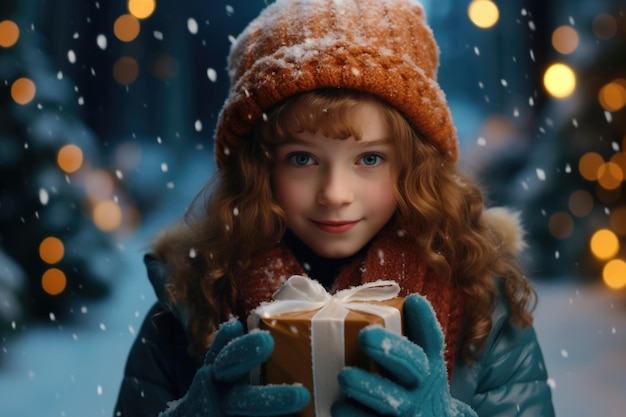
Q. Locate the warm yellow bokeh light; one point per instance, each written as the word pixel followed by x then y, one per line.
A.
pixel 23 90
pixel 70 158
pixel 610 175
pixel 614 274
pixel 559 80
pixel 125 70
pixel 126 27
pixel 53 281
pixel 589 165
pixel 618 220
pixel 51 250
pixel 565 39
pixel 604 244
pixel 107 215
pixel 141 9
pixel 483 13
pixel 9 33
pixel 580 203
pixel 561 225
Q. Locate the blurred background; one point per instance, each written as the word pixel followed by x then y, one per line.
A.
pixel 107 111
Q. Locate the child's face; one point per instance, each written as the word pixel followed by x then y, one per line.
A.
pixel 337 194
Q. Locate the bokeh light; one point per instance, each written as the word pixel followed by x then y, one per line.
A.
pixel 610 175
pixel 107 215
pixel 125 70
pixel 53 281
pixel 565 39
pixel 141 9
pixel 483 13
pixel 589 165
pixel 70 158
pixel 561 225
pixel 9 33
pixel 604 26
pixel 51 250
pixel 608 195
pixel 126 28
pixel 99 185
pixel 612 96
pixel 165 67
pixel 614 274
pixel 23 90
pixel 604 244
pixel 559 80
pixel 580 203
pixel 618 220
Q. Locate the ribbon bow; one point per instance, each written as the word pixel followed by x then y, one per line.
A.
pixel 301 293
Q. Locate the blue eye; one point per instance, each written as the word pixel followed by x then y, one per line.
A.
pixel 371 159
pixel 301 159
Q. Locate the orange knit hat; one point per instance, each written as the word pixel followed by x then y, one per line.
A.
pixel 384 47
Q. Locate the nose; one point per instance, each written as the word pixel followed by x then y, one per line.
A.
pixel 335 189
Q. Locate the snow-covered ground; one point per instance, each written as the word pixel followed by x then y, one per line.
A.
pixel 75 370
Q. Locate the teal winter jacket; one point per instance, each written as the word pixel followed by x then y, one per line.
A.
pixel 508 379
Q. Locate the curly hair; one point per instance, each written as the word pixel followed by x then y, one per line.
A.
pixel 236 216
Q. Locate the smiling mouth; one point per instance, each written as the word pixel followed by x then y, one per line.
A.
pixel 335 226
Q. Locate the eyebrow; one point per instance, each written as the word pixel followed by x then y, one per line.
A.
pixel 361 143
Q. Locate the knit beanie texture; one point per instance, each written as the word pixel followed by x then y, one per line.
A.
pixel 384 47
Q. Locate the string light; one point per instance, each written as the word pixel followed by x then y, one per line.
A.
pixel 565 39
pixel 614 274
pixel 126 28
pixel 9 33
pixel 23 90
pixel 561 225
pixel 580 203
pixel 612 96
pixel 589 165
pixel 604 244
pixel 53 281
pixel 559 80
pixel 483 13
pixel 141 9
pixel 604 26
pixel 51 250
pixel 107 215
pixel 70 158
pixel 125 70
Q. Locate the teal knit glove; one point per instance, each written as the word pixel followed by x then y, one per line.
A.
pixel 417 384
pixel 220 387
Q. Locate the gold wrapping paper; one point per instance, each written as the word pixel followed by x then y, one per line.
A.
pixel 292 358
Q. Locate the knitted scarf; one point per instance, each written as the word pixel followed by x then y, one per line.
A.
pixel 391 256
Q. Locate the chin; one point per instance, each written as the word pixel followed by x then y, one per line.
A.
pixel 336 253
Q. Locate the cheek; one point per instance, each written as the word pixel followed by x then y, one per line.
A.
pixel 287 194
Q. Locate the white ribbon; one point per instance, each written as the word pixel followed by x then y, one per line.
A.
pixel 301 293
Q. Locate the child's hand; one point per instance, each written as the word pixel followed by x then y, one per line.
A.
pixel 220 386
pixel 416 365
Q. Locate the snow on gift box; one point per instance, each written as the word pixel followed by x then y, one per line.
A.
pixel 316 334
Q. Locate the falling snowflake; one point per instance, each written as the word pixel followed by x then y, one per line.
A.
pixel 101 40
pixel 212 74
pixel 541 174
pixel 192 26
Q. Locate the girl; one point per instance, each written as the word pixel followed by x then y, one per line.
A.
pixel 336 159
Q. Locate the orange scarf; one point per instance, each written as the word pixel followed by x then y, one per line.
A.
pixel 391 256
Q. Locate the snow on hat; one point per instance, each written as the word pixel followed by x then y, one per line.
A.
pixel 384 47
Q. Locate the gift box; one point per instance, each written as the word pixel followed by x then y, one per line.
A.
pixel 316 334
